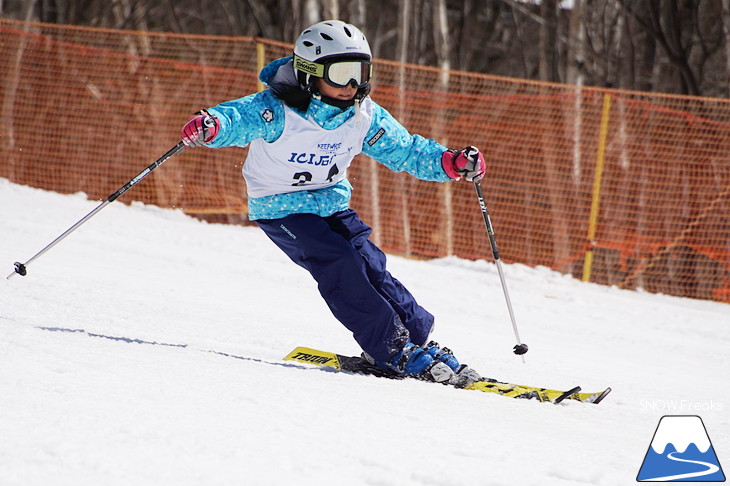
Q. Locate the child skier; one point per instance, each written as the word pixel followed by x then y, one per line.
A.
pixel 303 132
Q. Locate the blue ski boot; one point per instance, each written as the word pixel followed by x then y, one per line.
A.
pixel 414 361
pixel 463 375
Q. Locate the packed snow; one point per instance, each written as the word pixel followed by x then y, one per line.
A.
pixel 146 348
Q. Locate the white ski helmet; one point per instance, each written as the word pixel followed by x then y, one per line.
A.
pixel 328 43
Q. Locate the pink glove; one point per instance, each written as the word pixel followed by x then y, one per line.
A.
pixel 200 129
pixel 467 163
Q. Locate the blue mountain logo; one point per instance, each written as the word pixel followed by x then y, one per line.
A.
pixel 681 451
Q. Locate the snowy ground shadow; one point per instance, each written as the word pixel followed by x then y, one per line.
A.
pixel 128 340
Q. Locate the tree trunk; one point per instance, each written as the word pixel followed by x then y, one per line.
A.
pixel 726 31
pixel 10 92
pixel 548 64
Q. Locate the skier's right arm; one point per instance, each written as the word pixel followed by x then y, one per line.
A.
pixel 236 123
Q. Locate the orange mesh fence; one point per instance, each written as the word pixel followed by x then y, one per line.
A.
pixel 621 188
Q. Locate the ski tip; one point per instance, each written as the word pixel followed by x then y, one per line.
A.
pixel 602 395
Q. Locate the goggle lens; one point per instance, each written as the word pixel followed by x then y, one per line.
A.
pixel 340 74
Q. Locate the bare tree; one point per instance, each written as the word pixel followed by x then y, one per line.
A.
pixel 664 20
pixel 675 46
pixel 13 80
pixel 548 66
pixel 575 58
pixel 726 31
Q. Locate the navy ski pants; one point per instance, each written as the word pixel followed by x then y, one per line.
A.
pixel 351 275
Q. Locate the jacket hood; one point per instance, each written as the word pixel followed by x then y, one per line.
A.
pixel 280 71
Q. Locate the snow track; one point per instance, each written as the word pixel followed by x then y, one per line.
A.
pixel 146 349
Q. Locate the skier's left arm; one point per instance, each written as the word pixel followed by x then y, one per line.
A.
pixel 392 145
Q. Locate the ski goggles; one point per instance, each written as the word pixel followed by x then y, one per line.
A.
pixel 338 73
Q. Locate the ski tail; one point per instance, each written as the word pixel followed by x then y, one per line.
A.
pixel 315 357
pixel 339 362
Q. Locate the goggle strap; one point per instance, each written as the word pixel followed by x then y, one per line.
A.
pixel 309 67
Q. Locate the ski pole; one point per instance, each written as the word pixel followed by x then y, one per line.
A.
pixel 21 268
pixel 520 348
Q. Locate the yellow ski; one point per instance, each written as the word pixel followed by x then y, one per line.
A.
pixel 355 364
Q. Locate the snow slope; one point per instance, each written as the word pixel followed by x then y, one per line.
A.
pixel 146 349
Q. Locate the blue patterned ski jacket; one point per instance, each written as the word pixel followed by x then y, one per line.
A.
pixel 261 115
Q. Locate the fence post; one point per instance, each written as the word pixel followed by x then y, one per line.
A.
pixel 260 62
pixel 593 218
